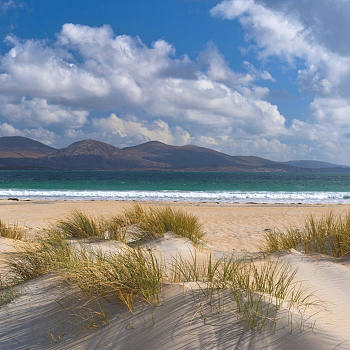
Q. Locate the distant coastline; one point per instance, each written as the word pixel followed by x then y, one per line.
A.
pixel 20 153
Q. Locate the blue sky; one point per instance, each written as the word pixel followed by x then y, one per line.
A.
pixel 269 78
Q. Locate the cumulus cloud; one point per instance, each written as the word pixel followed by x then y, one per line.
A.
pixel 90 83
pixel 291 31
pixel 170 97
pixel 8 130
pixel 281 33
pixel 39 134
pixel 125 130
pixel 37 112
pixel 122 72
pixel 310 35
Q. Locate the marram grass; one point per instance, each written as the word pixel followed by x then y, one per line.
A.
pixel 80 225
pixel 142 222
pixel 257 289
pixel 328 235
pixel 11 231
pixel 153 222
pixel 127 275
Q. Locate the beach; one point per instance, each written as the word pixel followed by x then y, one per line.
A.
pixel 38 318
pixel 229 226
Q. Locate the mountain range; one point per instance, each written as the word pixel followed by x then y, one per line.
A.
pixel 18 152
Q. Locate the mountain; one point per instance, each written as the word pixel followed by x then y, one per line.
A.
pixel 22 153
pixel 192 157
pixel 23 142
pixel 180 156
pixel 313 164
pixel 22 147
pixel 90 147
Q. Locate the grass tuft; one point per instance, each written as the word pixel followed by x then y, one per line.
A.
pixel 81 225
pixel 11 231
pixel 132 274
pixel 328 235
pixel 49 253
pixel 138 222
pixel 153 222
pixel 7 292
pixel 258 289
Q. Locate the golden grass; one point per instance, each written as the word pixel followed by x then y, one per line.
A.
pixel 129 274
pixel 80 225
pixel 144 221
pixel 328 235
pixel 153 222
pixel 7 292
pixel 11 231
pixel 257 289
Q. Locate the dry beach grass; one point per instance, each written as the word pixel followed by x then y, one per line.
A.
pixel 118 270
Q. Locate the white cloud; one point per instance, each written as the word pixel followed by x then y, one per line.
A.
pixel 47 89
pixel 40 134
pixel 334 111
pixel 37 112
pixel 46 84
pixel 125 130
pixel 8 130
pixel 310 35
pixel 281 33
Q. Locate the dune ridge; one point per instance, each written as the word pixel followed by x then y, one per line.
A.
pixel 49 314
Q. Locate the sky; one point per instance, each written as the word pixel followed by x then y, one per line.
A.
pixel 269 78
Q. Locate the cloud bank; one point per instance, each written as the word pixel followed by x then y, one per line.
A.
pixel 313 33
pixel 91 83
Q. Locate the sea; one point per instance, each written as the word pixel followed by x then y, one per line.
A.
pixel 229 187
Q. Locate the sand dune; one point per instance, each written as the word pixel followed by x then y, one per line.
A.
pixel 50 314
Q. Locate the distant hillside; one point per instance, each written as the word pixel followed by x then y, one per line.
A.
pixel 313 164
pixel 89 147
pixel 22 142
pixel 22 153
pixel 22 147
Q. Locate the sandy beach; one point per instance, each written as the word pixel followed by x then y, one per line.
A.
pixel 228 226
pixel 36 320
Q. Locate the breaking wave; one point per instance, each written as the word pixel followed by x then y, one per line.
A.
pixel 191 196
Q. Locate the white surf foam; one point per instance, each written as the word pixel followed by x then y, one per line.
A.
pixel 200 196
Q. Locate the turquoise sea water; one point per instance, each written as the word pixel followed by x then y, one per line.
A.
pixel 188 186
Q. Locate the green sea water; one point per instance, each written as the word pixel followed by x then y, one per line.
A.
pixel 191 186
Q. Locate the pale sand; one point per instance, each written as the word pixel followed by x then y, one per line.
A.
pixel 37 321
pixel 230 227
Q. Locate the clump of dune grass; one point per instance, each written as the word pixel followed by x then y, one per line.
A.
pixel 258 289
pixel 11 231
pixel 153 222
pixel 7 292
pixel 80 225
pixel 328 235
pixel 48 253
pixel 132 274
pixel 115 230
pixel 138 222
